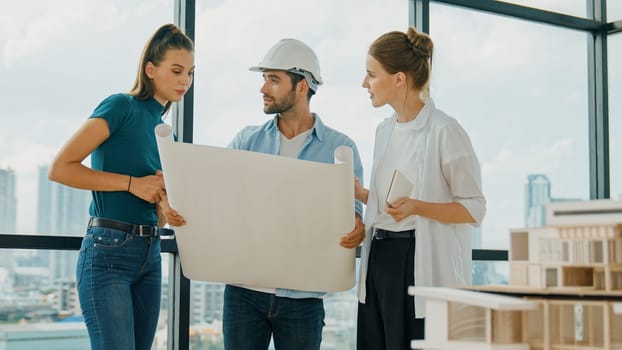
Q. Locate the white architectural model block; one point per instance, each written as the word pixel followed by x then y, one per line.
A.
pixel 460 319
pixel 519 276
pixel 584 212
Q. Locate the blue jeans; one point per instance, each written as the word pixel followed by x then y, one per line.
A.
pixel 119 277
pixel 250 318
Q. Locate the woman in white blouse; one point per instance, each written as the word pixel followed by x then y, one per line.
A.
pixel 424 237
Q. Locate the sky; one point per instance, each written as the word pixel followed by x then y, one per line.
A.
pixel 518 88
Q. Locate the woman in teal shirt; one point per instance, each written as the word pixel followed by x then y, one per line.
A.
pixel 119 267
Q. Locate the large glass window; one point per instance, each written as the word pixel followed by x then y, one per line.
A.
pixel 57 62
pixel 232 36
pixel 614 43
pixel 520 91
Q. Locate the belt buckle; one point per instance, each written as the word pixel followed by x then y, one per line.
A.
pixel 145 231
pixel 377 234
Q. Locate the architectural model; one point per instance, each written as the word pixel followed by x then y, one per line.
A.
pixel 565 289
pixel 581 247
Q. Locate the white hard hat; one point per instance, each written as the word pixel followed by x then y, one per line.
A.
pixel 293 56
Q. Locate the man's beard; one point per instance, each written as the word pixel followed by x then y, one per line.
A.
pixel 281 105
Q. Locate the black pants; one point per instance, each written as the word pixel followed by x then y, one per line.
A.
pixel 387 319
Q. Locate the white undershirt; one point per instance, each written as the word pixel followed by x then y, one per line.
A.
pixel 401 148
pixel 291 147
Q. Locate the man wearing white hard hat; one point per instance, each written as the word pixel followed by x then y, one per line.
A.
pixel 294 319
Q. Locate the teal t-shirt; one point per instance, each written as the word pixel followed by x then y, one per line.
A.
pixel 131 149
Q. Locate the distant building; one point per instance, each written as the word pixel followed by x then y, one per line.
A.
pixel 65 298
pixel 30 278
pixel 8 201
pixel 62 210
pixel 8 212
pixel 537 197
pixel 206 302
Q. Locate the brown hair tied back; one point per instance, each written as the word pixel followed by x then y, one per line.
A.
pixel 167 37
pixel 409 52
pixel 421 44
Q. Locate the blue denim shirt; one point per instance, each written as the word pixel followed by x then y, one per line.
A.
pixel 319 146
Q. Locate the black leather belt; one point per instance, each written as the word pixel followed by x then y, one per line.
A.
pixel 141 230
pixel 386 234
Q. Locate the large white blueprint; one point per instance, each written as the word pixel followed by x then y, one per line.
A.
pixel 260 220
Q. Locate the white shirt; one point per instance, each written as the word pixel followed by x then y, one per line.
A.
pixel 400 150
pixel 446 170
